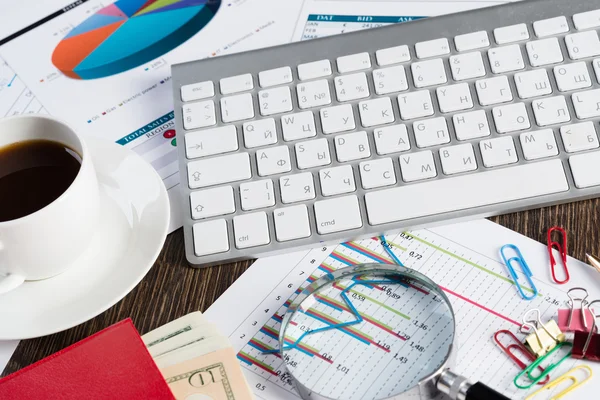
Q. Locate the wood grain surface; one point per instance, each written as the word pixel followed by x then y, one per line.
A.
pixel 172 289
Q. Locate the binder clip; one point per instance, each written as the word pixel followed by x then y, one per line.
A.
pixel 562 249
pixel 518 259
pixel 549 368
pixel 575 383
pixel 544 337
pixel 587 344
pixel 567 322
pixel 517 345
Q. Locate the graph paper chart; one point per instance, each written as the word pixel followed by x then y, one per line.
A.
pixel 15 97
pixel 484 300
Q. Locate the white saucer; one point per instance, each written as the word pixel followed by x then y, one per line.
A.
pixel 133 228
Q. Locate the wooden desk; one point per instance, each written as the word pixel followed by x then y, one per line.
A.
pixel 171 289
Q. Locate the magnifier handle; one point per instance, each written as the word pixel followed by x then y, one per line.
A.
pixel 479 391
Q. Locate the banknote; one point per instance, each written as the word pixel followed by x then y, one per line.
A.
pixel 174 328
pixel 212 376
pixel 195 335
pixel 191 351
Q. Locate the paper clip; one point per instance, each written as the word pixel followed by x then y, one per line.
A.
pixel 517 345
pixel 544 337
pixel 562 249
pixel 571 303
pixel 537 362
pixel 526 271
pixel 567 376
pixel 587 344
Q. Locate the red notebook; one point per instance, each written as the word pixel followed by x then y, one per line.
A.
pixel 112 364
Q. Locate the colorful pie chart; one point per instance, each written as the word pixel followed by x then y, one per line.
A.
pixel 129 33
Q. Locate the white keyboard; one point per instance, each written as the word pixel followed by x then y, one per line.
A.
pixel 404 126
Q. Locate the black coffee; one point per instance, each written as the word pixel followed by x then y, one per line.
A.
pixel 33 174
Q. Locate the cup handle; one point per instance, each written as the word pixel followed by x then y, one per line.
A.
pixel 9 281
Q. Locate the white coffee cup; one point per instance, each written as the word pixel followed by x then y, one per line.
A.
pixel 47 242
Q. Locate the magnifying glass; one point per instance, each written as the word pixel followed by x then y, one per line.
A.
pixel 370 332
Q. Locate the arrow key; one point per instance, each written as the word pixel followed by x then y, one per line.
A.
pixel 211 202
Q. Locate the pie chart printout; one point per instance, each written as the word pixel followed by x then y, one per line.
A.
pixel 129 33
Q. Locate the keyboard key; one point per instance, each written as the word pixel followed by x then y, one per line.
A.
pixel 275 101
pixel 428 73
pixel 197 91
pixel 257 194
pixel 298 126
pixel 551 26
pixel 467 66
pixel 337 119
pixel 218 170
pixel 454 98
pixel 211 141
pixel 352 146
pixel 274 77
pixel 391 139
pixel 544 52
pixel 471 125
pixel 236 84
pixel 273 160
pixel 336 215
pixel 260 132
pixel 351 87
pixel 199 115
pixel 511 118
pixel 315 69
pixel 597 69
pixel 587 104
pixel 499 151
pixel 457 159
pixel 583 45
pixel 432 48
pixel 337 180
pixel 237 108
pixel 417 166
pixel 551 110
pixel 392 55
pixel 354 62
pixel 313 94
pixel 493 91
pixel 390 80
pixel 585 169
pixel 291 223
pixel 415 105
pixel 297 187
pixel 511 34
pixel 312 153
pixel 377 173
pixel 376 112
pixel 538 144
pixel 579 137
pixel 533 83
pixel 587 20
pixel 211 202
pixel 477 190
pixel 472 41
pixel 572 76
pixel 431 132
pixel 251 230
pixel 506 59
pixel 210 237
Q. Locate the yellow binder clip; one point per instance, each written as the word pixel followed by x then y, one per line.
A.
pixel 544 337
pixel 575 383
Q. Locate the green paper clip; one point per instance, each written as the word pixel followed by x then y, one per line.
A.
pixel 547 369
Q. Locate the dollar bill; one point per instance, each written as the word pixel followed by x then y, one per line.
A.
pixel 197 334
pixel 174 328
pixel 212 376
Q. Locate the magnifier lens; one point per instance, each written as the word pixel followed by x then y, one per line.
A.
pixel 370 335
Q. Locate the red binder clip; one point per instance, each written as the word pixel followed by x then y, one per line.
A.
pixel 562 249
pixel 587 344
pixel 517 345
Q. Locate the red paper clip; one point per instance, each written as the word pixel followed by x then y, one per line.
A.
pixel 517 345
pixel 562 249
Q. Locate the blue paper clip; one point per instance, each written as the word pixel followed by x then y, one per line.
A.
pixel 526 271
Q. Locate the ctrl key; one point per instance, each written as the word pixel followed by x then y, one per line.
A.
pixel 251 230
pixel 210 237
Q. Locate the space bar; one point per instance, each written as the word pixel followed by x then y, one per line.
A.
pixel 466 192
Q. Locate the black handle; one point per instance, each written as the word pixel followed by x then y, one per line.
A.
pixel 479 391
